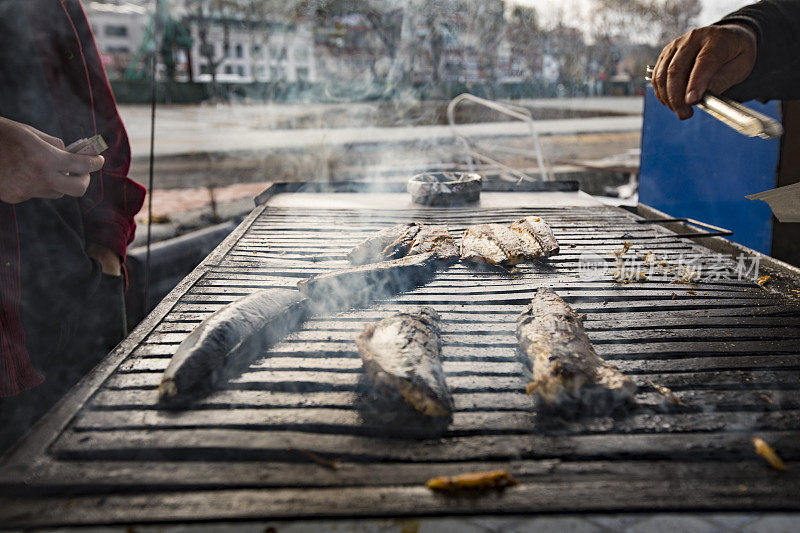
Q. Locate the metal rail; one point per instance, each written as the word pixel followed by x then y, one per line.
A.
pixel 713 231
pixel 520 113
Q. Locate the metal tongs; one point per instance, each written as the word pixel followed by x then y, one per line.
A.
pixel 739 117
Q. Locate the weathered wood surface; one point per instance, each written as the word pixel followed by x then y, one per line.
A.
pixel 729 350
pixel 697 493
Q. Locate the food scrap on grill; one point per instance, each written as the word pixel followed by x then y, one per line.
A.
pixel 763 280
pixel 473 481
pixel 765 397
pixel 623 274
pixel 667 393
pixel 229 339
pixel 401 356
pixel 686 274
pixel 389 243
pixel 768 452
pixel 568 373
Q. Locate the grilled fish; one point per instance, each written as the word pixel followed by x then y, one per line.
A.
pixel 401 355
pixel 568 373
pixel 431 238
pixel 540 232
pixel 360 285
pixel 496 244
pixel 389 243
pixel 230 339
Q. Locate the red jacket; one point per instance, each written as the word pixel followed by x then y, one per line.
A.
pixel 85 106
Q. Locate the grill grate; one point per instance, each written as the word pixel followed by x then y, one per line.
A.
pixel 728 348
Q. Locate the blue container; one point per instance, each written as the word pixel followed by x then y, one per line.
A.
pixel 702 169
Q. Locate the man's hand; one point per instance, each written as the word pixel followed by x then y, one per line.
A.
pixel 107 258
pixel 35 165
pixel 712 58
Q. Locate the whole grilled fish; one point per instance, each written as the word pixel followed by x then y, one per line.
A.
pixel 568 373
pixel 432 238
pixel 360 285
pixel 389 243
pixel 230 339
pixel 401 355
pixel 540 232
pixel 496 244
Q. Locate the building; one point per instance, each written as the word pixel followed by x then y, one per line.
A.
pixel 119 30
pixel 255 51
pixel 251 52
pixel 348 50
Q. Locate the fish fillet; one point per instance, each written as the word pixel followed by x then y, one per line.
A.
pixel 537 229
pixel 496 244
pixel 389 243
pixel 229 339
pixel 433 238
pixel 568 373
pixel 360 285
pixel 401 355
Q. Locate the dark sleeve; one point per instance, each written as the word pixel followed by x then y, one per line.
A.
pixel 113 199
pixel 776 73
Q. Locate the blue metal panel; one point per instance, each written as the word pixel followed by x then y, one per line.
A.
pixel 701 168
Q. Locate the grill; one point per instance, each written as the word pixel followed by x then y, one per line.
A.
pixel 260 446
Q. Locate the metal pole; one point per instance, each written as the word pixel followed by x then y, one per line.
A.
pixel 153 96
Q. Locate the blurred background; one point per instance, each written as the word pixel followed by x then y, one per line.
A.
pixel 255 91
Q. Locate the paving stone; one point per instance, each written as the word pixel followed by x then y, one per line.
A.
pixel 448 525
pixel 774 523
pixel 554 525
pixel 617 522
pixel 734 521
pixel 673 523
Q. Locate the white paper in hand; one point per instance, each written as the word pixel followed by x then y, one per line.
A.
pixel 92 146
pixel 784 201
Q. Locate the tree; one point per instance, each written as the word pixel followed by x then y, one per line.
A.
pixel 652 21
pixel 434 37
pixel 261 16
pixel 567 45
pixel 384 19
pixel 621 19
pixel 630 33
pixel 206 14
pixel 175 37
pixel 525 37
pixel 487 23
pixel 677 17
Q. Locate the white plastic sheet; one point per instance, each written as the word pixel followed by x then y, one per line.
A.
pixel 784 201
